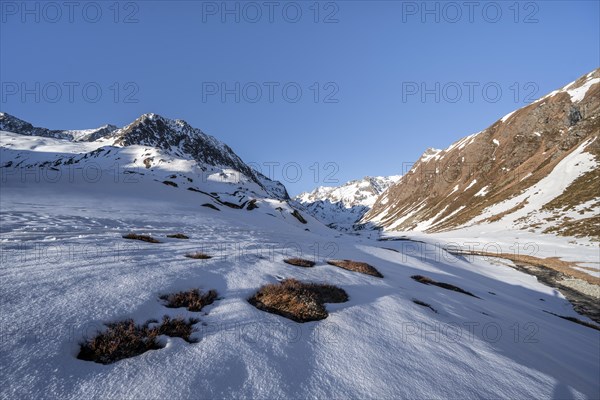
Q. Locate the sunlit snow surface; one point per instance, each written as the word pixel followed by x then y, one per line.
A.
pixel 66 270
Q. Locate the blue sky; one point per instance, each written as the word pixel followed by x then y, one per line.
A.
pixel 379 81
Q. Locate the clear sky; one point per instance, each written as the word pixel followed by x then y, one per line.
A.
pixel 380 81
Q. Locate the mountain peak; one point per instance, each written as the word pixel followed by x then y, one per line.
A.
pixel 174 137
pixel 342 206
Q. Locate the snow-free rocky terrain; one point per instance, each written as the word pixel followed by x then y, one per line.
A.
pixel 67 199
pixel 536 169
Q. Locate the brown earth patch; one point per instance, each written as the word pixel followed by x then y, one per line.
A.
pixel 356 266
pixel 178 236
pixel 193 300
pixel 299 262
pixel 143 238
pixel 198 256
pixel 298 301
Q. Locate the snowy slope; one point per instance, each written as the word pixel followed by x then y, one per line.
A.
pixel 342 206
pixel 534 169
pixel 66 271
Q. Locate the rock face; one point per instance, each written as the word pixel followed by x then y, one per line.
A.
pixel 342 206
pixel 536 169
pixel 181 139
pixel 173 137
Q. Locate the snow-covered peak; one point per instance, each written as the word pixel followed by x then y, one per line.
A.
pixel 172 137
pixel 356 192
pixel 342 206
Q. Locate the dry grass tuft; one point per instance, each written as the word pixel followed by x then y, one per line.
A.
pixel 125 339
pixel 177 327
pixel 198 256
pixel 356 266
pixel 143 238
pixel 193 300
pixel 121 340
pixel 299 262
pixel 428 281
pixel 298 301
pixel 178 236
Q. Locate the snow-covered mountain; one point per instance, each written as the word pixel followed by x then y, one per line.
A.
pixel 67 272
pixel 11 123
pixel 340 207
pixel 535 169
pixel 151 143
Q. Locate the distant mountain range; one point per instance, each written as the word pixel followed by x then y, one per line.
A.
pixel 341 207
pixel 534 169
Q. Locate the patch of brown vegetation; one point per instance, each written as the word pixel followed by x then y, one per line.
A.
pixel 356 266
pixel 121 340
pixel 498 217
pixel 193 300
pixel 584 227
pixel 298 301
pixel 581 190
pixel 143 238
pixel 198 256
pixel 177 327
pixel 125 339
pixel 428 281
pixel 299 262
pixel 178 236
